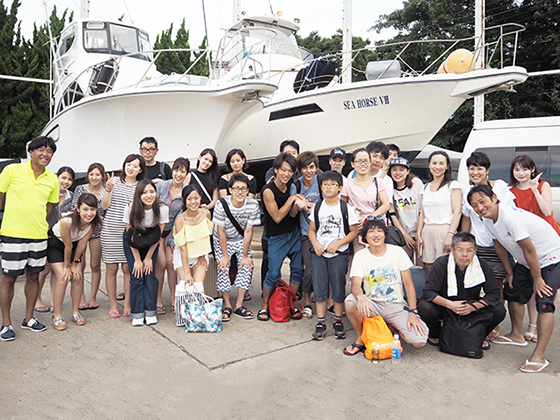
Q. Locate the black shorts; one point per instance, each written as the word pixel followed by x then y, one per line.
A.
pixel 522 289
pixel 55 250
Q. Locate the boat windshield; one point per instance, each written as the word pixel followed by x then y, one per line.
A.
pixel 260 38
pixel 110 38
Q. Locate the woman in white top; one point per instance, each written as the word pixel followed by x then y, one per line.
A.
pixel 441 210
pixel 66 245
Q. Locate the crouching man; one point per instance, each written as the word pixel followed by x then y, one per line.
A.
pixel 383 270
pixel 456 279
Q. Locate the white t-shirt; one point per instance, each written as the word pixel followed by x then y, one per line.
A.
pixel 515 224
pixel 505 196
pixel 331 225
pixel 437 205
pixel 387 182
pixel 382 275
pixel 148 216
pixel 406 205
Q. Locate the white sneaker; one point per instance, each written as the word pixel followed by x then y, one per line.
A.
pixel 137 322
pixel 151 320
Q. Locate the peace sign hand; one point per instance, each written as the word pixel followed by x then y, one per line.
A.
pixel 110 184
pixel 535 182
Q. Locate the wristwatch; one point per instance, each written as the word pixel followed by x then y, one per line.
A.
pixel 414 311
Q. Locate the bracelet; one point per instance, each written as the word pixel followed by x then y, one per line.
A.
pixel 109 191
pixel 451 233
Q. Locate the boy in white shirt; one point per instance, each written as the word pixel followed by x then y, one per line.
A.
pixel 333 225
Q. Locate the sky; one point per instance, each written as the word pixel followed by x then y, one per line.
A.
pixel 324 16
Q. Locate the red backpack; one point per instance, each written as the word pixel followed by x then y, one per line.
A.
pixel 281 303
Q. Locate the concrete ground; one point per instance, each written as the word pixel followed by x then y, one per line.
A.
pixel 252 370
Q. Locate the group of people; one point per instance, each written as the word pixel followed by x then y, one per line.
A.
pixel 493 242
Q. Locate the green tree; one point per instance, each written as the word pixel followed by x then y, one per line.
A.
pixel 538 49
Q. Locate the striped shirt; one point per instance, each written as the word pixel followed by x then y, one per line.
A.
pixel 248 214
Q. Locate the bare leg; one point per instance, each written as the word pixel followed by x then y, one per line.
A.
pixel 95 264
pixel 266 297
pixel 59 290
pixel 76 291
pixel 6 297
pixel 356 321
pixel 532 312
pixel 322 308
pixel 171 274
pixel 545 326
pixel 126 275
pixel 42 277
pixel 240 295
pixel 31 291
pixel 111 285
pixel 307 298
pixel 227 302
pixel 516 312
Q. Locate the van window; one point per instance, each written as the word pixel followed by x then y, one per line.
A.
pixel 554 166
pixel 501 158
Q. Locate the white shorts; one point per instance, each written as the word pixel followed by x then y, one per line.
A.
pixel 178 262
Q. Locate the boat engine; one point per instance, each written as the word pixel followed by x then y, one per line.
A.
pixel 103 77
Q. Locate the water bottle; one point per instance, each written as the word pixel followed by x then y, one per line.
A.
pixel 374 353
pixel 396 351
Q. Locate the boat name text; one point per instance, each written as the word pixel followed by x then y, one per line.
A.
pixel 366 102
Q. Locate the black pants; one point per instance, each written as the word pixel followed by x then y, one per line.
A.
pixel 432 315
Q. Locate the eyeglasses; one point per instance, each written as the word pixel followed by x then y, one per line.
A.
pixel 148 150
pixel 465 251
pixel 325 185
pixel 362 162
pixel 239 189
pixel 370 217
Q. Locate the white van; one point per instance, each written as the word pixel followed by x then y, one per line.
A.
pixel 502 140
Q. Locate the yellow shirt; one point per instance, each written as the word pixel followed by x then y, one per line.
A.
pixel 25 211
pixel 197 238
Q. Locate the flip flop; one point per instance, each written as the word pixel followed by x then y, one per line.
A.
pixel 263 315
pixel 360 348
pixel 542 366
pixel 161 310
pixel 83 307
pixel 93 305
pixel 114 314
pixel 42 309
pixel 307 312
pixel 507 341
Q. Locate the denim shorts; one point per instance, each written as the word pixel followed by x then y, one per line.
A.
pixel 329 271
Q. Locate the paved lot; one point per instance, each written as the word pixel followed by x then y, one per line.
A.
pixel 253 370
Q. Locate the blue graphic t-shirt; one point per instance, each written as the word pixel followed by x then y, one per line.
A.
pixel 313 195
pixel 381 276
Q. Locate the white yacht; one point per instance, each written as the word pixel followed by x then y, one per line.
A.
pixel 262 89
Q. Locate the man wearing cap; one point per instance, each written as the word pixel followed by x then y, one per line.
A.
pixel 405 207
pixel 337 160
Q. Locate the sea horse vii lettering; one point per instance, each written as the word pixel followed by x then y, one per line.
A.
pixel 366 102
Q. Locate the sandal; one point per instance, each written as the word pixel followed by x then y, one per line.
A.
pixel 79 319
pixel 161 310
pixel 244 313
pixel 41 309
pixel 296 314
pixel 247 297
pixel 226 312
pixel 93 305
pixel 173 308
pixel 263 315
pixel 120 296
pixel 307 312
pixel 433 342
pixel 531 336
pixel 356 348
pixel 59 324
pixel 83 306
pixel 487 345
pixel 113 314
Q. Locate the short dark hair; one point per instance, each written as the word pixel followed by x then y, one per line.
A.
pixel 291 143
pixel 284 157
pixel 131 158
pixel 231 154
pixel 463 237
pixel 376 147
pixel 393 146
pixel 181 162
pixel 149 140
pixel 41 141
pixel 68 169
pixel 355 153
pixel 479 159
pixel 371 224
pixel 485 190
pixel 330 176
pixel 237 177
pixel 307 158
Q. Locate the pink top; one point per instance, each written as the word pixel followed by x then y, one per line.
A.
pixel 364 201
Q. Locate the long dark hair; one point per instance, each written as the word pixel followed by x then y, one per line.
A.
pixel 187 191
pixel 231 154
pixel 89 200
pixel 213 171
pixel 137 211
pixel 131 158
pixel 526 162
pixel 447 176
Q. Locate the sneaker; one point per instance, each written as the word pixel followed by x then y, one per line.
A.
pixel 151 320
pixel 7 333
pixel 320 331
pixel 59 324
pixel 338 328
pixel 137 322
pixel 33 325
pixel 79 319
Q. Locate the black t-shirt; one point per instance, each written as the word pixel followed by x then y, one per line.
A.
pixel 160 170
pixel 288 223
pixel 205 180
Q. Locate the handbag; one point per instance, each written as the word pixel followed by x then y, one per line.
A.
pixel 464 335
pixel 281 303
pixel 394 235
pixel 201 313
pixel 143 238
pixel 376 333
